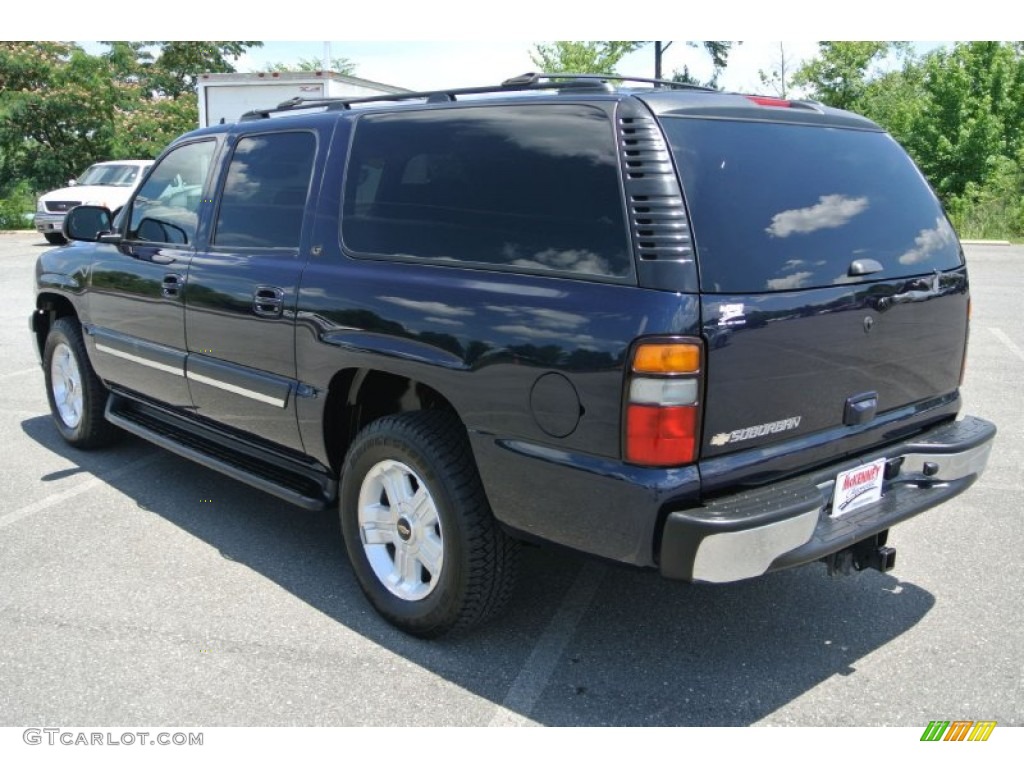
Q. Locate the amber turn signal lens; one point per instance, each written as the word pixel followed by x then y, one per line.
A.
pixel 667 358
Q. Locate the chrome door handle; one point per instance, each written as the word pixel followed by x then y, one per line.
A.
pixel 172 285
pixel 268 301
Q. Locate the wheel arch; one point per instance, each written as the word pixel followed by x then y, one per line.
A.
pixel 50 307
pixel 358 396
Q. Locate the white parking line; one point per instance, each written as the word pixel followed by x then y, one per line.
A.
pixel 536 672
pixel 61 496
pixel 1008 342
pixel 22 372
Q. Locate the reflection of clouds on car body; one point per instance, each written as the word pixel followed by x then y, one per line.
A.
pixel 239 185
pixel 830 212
pixel 549 318
pixel 557 318
pixel 561 137
pixel 429 307
pixel 790 282
pixel 543 333
pixel 928 241
pixel 572 260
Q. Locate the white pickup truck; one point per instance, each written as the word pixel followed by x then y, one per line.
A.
pixel 109 184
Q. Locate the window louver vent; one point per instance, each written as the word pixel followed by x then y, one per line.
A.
pixel 657 216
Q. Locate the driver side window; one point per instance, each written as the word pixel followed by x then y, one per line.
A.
pixel 166 209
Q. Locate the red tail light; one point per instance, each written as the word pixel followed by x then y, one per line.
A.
pixel 662 411
pixel 661 436
pixel 967 340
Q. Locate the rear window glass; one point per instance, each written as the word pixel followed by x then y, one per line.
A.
pixel 785 207
pixel 530 188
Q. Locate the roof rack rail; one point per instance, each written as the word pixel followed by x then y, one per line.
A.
pixel 535 78
pixel 529 81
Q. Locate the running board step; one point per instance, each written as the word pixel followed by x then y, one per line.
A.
pixel 303 483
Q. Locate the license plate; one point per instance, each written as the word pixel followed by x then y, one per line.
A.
pixel 858 487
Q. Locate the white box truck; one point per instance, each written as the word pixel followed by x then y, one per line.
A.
pixel 226 97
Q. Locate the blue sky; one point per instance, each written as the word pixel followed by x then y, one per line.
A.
pixel 450 43
pixel 425 64
pixel 422 65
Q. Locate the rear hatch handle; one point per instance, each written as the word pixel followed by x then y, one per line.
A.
pixel 860 267
pixel 920 289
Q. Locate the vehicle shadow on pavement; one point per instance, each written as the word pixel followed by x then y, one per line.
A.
pixel 645 651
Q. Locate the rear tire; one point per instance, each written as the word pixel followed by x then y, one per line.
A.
pixel 77 396
pixel 423 543
pixel 55 238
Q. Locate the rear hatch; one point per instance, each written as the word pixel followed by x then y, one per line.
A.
pixel 833 293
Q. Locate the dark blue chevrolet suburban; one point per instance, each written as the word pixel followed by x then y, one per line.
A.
pixel 709 333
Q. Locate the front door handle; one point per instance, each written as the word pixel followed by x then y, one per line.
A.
pixel 268 301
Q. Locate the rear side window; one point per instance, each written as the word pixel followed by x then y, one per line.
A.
pixel 265 191
pixel 531 188
pixel 785 207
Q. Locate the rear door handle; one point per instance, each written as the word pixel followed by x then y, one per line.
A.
pixel 172 285
pixel 268 301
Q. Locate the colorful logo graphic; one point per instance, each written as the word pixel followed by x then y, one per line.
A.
pixel 958 730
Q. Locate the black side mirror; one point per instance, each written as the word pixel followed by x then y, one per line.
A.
pixel 87 222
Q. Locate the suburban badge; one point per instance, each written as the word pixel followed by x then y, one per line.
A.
pixel 748 433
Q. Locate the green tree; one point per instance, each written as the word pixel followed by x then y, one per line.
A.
pixel 994 209
pixel 779 79
pixel 582 56
pixel 177 67
pixel 145 118
pixel 603 56
pixel 959 112
pixel 839 74
pixel 718 50
pixel 149 125
pixel 55 111
pixel 896 100
pixel 62 109
pixel 339 64
pixel 972 113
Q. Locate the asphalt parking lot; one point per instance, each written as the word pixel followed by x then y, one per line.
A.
pixel 138 587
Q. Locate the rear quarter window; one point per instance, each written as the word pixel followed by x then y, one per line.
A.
pixel 525 188
pixel 779 207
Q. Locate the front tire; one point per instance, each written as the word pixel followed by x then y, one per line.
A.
pixel 423 543
pixel 77 396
